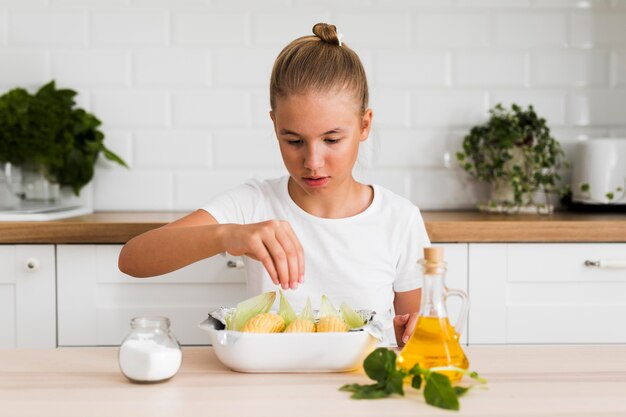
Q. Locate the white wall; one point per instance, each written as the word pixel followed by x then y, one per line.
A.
pixel 181 86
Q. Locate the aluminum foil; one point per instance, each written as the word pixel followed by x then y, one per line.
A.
pixel 217 321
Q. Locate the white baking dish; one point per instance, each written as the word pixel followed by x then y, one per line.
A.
pixel 292 352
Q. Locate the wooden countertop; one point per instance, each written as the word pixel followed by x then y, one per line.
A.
pixel 523 381
pixel 119 227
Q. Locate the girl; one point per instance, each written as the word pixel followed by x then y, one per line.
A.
pixel 357 243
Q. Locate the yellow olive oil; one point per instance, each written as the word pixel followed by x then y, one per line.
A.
pixel 434 342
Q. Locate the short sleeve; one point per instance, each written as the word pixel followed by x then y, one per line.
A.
pixel 237 205
pixel 408 271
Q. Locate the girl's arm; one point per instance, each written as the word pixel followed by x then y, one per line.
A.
pixel 406 305
pixel 198 236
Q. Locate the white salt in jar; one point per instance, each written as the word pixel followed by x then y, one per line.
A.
pixel 150 352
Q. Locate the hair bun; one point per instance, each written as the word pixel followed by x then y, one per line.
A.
pixel 327 33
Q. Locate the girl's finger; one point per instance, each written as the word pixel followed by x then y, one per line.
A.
pixel 410 326
pixel 261 254
pixel 299 251
pixel 291 257
pixel 279 258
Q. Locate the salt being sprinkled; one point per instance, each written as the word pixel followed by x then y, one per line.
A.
pixel 148 361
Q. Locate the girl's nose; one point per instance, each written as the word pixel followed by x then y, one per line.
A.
pixel 313 158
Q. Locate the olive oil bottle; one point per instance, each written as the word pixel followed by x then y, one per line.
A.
pixel 435 342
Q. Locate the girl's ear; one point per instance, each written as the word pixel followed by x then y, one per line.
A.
pixel 366 124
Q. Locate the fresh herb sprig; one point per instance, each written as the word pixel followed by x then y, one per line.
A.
pixel 380 365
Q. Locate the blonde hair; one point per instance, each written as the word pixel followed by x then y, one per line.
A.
pixel 318 63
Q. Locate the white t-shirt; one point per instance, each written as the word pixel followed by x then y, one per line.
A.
pixel 362 259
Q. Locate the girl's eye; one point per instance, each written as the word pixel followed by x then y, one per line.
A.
pixel 331 140
pixel 294 142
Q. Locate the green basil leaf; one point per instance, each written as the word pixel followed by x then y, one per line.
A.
pixel 438 392
pixel 395 383
pixel 416 382
pixel 379 363
pixel 372 391
pixel 460 391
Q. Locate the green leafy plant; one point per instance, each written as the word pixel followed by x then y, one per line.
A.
pixel 514 150
pixel 47 130
pixel 380 366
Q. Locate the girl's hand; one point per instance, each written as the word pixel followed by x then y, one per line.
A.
pixel 274 244
pixel 403 326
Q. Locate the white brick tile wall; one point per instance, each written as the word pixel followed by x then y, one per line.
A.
pixel 450 28
pixel 244 68
pixel 167 67
pixel 196 188
pixel 448 108
pixel 36 28
pixel 530 29
pixel 246 150
pixel 172 149
pixel 407 68
pixel 444 188
pixel 22 68
pixel 121 189
pixel 221 29
pixel 598 29
pixel 129 27
pixel 491 69
pixel 577 68
pixel 390 107
pixel 181 86
pixel 293 25
pixel 90 68
pixel 211 109
pixel 360 28
pixel 260 103
pixel 134 109
pixel 618 70
pixel 599 107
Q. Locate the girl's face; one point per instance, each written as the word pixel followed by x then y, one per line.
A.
pixel 319 136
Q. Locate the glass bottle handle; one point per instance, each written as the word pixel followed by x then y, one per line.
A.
pixel 460 322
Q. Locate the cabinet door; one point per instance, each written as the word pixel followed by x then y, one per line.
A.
pixel 97 301
pixel 27 296
pixel 544 293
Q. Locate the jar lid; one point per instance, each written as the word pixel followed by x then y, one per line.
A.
pixel 150 322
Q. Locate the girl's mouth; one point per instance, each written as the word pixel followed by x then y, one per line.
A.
pixel 316 182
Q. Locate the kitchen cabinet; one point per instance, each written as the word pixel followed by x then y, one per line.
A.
pixel 544 293
pixel 27 296
pixel 97 301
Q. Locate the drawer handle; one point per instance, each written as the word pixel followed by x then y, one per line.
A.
pixel 31 264
pixel 238 264
pixel 607 263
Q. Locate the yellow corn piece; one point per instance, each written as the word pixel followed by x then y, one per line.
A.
pixel 331 324
pixel 264 323
pixel 301 326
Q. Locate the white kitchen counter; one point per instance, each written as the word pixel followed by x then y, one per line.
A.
pixel 568 381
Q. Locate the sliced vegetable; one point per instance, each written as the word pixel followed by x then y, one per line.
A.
pixel 301 326
pixel 264 323
pixel 307 311
pixel 331 324
pixel 351 317
pixel 285 310
pixel 327 308
pixel 249 308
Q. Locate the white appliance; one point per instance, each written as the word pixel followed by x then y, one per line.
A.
pixel 599 173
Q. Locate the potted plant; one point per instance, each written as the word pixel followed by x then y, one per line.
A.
pixel 516 155
pixel 46 134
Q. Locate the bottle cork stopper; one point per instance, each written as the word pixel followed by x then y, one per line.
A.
pixel 433 254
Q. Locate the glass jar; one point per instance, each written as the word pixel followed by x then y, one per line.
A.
pixel 150 352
